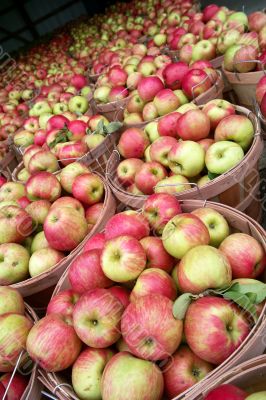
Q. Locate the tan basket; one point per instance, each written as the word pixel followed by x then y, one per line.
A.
pixel 244 86
pixel 249 376
pixel 50 278
pixel 238 187
pixel 252 346
pixel 8 164
pixel 217 62
pixel 262 119
pixel 113 111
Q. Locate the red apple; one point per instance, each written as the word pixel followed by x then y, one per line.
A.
pixel 149 175
pixel 193 125
pixel 195 82
pixel 121 294
pixel 167 125
pixel 129 223
pixel 63 303
pixel 43 186
pixel 157 257
pixel 127 170
pixel 226 391
pixel 174 73
pixel 166 101
pixel 218 109
pixel 88 188
pixel 17 387
pixel 133 143
pixel 96 242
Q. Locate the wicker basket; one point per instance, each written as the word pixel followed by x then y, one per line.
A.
pixel 113 111
pixel 244 86
pixel 49 278
pixel 238 187
pixel 59 383
pixel 249 376
pixel 8 164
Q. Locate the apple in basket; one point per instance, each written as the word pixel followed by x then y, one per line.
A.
pixel 17 386
pixel 43 260
pixel 15 224
pixel 95 242
pixel 133 143
pixel 195 82
pixel 88 188
pixel 11 191
pixel 116 385
pixel 43 186
pixel 218 109
pixel 179 159
pixel 127 170
pixel 173 74
pixel 222 156
pixel 149 175
pixel 183 370
pixel 226 391
pixel 160 149
pixel 147 334
pixel 67 201
pixel 11 301
pixel 165 101
pixel 193 125
pixel 65 228
pixel 70 172
pixel 29 152
pixel 14 330
pixel 13 255
pixel 63 303
pixel 53 343
pixel 87 372
pixel 121 293
pixel 96 318
pixel 214 328
pixel 130 223
pixel 257 396
pixel 38 210
pixel 43 161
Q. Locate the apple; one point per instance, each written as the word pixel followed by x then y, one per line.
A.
pixel 29 152
pixel 229 55
pixel 239 17
pixel 11 191
pixel 228 390
pixel 160 149
pixel 15 224
pixel 222 156
pixel 236 128
pixel 78 104
pixel 43 161
pixel 85 272
pixel 121 293
pixel 185 53
pixel 149 174
pixel 188 231
pixel 69 173
pixel 174 73
pixel 150 112
pixel 180 161
pixel 165 101
pixel 14 329
pixel 13 254
pixel 127 170
pixel 23 138
pixel 95 242
pixel 43 186
pixel 214 328
pixel 63 303
pixel 53 343
pixel 87 372
pixel 212 29
pixel 147 69
pixel 209 12
pixel 153 280
pixel 18 385
pixel 31 124
pixel 257 395
pixel 227 39
pixel 247 54
pixel 183 371
pixel 156 255
pixel 11 300
pixel 38 210
pixel 256 21
pixel 101 94
pixel 261 89
pixel 263 106
pixel 195 82
pixel 203 50
pixel 123 258
pixel 23 202
pixel 96 318
pixel 218 109
pixel 245 254
pixel 147 334
pixel 135 104
pixel 133 143
pixel 193 125
pixel 216 224
pixel 148 87
pixel 57 122
pixel 203 267
pixel 172 185
pixel 127 223
pixel 116 385
pixel 43 260
pixel 167 125
pixel 262 39
pixel 39 242
pixel 88 188
pixel 67 201
pixel 117 76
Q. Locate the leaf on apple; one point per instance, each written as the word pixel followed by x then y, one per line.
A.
pixel 181 305
pixel 212 176
pixel 243 301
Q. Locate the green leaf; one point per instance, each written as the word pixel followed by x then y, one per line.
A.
pixel 212 175
pixel 69 134
pixel 113 127
pixel 181 305
pixel 243 301
pixel 256 290
pixel 100 126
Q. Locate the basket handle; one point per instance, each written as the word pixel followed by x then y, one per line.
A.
pixel 115 157
pixel 186 183
pixel 248 61
pixel 198 84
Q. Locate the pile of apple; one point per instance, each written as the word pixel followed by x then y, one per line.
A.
pixel 14 329
pixel 235 393
pixel 63 142
pixel 118 319
pixel 261 95
pixel 45 219
pixel 181 149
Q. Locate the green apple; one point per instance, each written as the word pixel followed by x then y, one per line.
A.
pixel 227 39
pixel 23 138
pixel 172 185
pixel 235 128
pixel 229 57
pixel 44 259
pixel 181 97
pixel 85 91
pixel 203 180
pixel 222 156
pixel 43 119
pixel 216 224
pixel 181 162
pixel 147 154
pixel 101 94
pixel 11 301
pixel 257 396
pixel 186 107
pixel 60 108
pixel 239 17
pixel 152 131
pixel 23 175
pixel 41 107
pixel 78 104
pixel 93 140
pixel 39 242
pixel 13 255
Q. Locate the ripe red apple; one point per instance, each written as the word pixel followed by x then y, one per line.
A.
pixel 245 254
pixel 149 175
pixel 17 386
pixel 63 303
pixel 256 21
pixel 263 105
pixel 29 152
pixel 218 109
pixel 195 82
pixel 88 188
pixel 123 258
pixel 165 101
pixel 248 54
pixel 184 370
pixel 71 151
pixel 150 329
pixel 148 87
pixel 209 12
pixel 127 170
pixel 157 257
pixel 174 73
pixel 129 223
pixel 215 328
pixel 96 242
pixel 133 143
pixel 116 385
pixel 69 173
pixel 167 125
pixel 160 149
pixel 121 293
pixel 193 125
pixel 261 89
pixel 85 272
pixel 43 186
pixel 226 391
pixel 15 224
pixel 65 228
pixel 53 343
pixel 96 318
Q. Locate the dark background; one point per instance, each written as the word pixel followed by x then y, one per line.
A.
pixel 22 21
